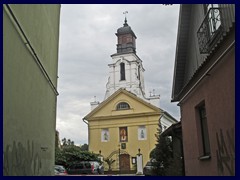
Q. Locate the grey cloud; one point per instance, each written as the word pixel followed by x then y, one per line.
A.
pixel 87 39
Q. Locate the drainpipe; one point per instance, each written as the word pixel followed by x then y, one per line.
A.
pixel 85 121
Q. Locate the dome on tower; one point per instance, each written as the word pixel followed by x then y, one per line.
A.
pixel 126 29
pixel 126 39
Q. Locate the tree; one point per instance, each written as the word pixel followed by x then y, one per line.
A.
pixel 84 147
pixel 64 142
pixel 70 143
pixel 109 161
pixel 71 154
pixel 168 161
pixel 162 154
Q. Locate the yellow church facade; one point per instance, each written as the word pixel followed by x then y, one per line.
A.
pixel 126 122
pixel 120 127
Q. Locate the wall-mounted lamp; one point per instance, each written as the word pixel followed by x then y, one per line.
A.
pixel 134 160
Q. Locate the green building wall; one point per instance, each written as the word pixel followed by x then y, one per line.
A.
pixel 30 64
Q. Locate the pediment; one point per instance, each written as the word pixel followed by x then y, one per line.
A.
pixel 108 108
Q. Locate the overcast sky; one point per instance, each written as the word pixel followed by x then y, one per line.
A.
pixel 87 39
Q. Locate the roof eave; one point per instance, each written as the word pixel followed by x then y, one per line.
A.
pixel 181 46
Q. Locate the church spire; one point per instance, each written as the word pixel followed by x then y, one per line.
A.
pixel 126 71
pixel 126 38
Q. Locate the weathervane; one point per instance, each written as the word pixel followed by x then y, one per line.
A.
pixel 125 12
pixel 125 22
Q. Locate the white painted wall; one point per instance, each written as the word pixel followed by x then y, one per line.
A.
pixel 132 83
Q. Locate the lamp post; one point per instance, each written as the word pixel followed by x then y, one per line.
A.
pixel 139 151
pixel 139 162
pixel 100 157
pixel 119 153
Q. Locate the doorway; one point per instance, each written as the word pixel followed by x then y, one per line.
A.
pixel 124 163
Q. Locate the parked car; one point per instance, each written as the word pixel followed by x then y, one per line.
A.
pixel 86 167
pixel 60 170
pixel 98 166
pixel 148 169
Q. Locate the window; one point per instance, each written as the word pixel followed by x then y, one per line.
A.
pixel 123 106
pixel 201 111
pixel 142 134
pixel 139 72
pixel 122 71
pixel 105 135
pixel 213 14
pixel 210 29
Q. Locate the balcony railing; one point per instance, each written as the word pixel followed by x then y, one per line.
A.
pixel 209 30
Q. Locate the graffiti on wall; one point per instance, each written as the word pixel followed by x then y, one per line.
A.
pixel 20 160
pixel 226 153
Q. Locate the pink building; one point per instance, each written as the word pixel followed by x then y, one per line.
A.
pixel 204 86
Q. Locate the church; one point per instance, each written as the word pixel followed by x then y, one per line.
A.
pixel 126 122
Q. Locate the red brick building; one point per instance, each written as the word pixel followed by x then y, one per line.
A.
pixel 204 86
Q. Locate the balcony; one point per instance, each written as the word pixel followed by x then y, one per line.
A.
pixel 210 30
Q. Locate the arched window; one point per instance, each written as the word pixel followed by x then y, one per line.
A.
pixel 123 106
pixel 139 72
pixel 122 71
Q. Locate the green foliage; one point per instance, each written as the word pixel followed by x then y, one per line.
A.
pixel 68 142
pixel 70 154
pixel 84 147
pixel 164 162
pixel 152 154
pixel 59 157
pixel 162 154
pixel 109 161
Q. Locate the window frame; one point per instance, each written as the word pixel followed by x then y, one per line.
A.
pixel 213 13
pixel 122 71
pixel 210 29
pixel 122 106
pixel 202 124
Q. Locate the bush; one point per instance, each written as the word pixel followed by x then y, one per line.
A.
pixel 73 154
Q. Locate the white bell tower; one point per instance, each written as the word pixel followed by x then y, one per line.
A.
pixel 126 70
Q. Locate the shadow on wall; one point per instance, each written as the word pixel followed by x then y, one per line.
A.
pixel 20 160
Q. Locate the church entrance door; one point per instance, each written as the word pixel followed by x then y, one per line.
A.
pixel 124 163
